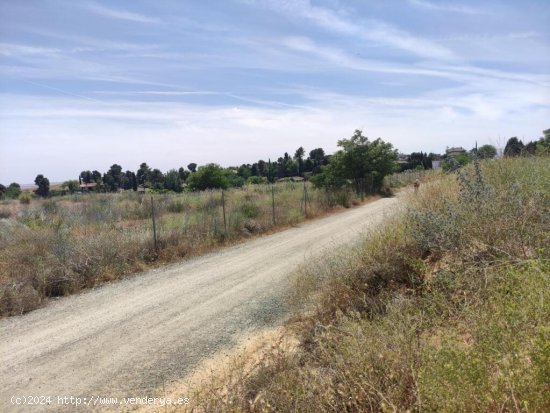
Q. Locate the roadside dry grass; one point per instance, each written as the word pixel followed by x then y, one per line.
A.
pixel 446 308
pixel 59 246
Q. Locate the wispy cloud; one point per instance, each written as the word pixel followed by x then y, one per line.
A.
pixel 446 7
pixel 119 14
pixel 13 50
pixel 371 30
pixel 457 73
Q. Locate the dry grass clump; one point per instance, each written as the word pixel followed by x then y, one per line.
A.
pixel 446 308
pixel 57 246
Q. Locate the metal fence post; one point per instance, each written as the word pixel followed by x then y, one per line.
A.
pixel 154 223
pixel 273 204
pixel 223 208
pixel 305 199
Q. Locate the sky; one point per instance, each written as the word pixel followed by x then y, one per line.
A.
pixel 86 84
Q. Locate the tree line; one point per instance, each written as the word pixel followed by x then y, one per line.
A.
pixel 358 162
pixel 203 177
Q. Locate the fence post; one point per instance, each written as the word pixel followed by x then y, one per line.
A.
pixel 154 223
pixel 223 208
pixel 305 199
pixel 273 203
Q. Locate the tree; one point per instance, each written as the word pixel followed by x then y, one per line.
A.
pixel 299 157
pixel 143 174
pixel 129 181
pixel 96 176
pixel 113 178
pixel 318 158
pixel 183 174
pixel 172 181
pixel 13 191
pixel 543 144
pixel 244 171
pixel 86 177
pixel 530 148
pixel 2 191
pixel 43 184
pixel 262 168
pixel 157 179
pixel 513 147
pixel 363 162
pixel 109 182
pixel 486 152
pixel 192 167
pixel 452 163
pixel 417 161
pixel 208 177
pixel 71 185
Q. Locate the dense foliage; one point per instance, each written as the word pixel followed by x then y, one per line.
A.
pixel 361 162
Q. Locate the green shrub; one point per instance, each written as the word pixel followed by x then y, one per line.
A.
pixel 25 198
pixel 177 206
pixel 250 210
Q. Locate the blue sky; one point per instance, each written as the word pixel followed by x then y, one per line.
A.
pixel 85 84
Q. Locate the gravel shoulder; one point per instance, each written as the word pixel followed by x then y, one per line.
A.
pixel 134 336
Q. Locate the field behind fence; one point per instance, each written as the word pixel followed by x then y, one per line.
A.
pixel 58 246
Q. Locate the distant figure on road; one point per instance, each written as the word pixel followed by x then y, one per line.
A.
pixel 416 185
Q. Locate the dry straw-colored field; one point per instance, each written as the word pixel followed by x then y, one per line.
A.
pixel 58 246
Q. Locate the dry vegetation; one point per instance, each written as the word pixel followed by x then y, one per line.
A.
pixel 446 308
pixel 58 246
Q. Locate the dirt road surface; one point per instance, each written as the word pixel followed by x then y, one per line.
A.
pixel 131 337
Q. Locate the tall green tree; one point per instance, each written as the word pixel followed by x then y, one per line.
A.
pixel 43 184
pixel 13 191
pixel 360 161
pixel 299 157
pixel 129 181
pixel 183 174
pixel 192 167
pixel 513 147
pixel 172 181
pixel 113 178
pixel 86 177
pixel 318 158
pixel 96 176
pixel 208 177
pixel 486 152
pixel 543 144
pixel 143 174
pixel 157 179
pixel 71 185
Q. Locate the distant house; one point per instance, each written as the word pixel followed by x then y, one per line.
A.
pixel 88 187
pixel 459 150
pixel 436 164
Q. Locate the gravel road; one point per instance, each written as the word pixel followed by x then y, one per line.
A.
pixel 130 337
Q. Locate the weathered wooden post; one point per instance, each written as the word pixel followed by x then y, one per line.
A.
pixel 154 223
